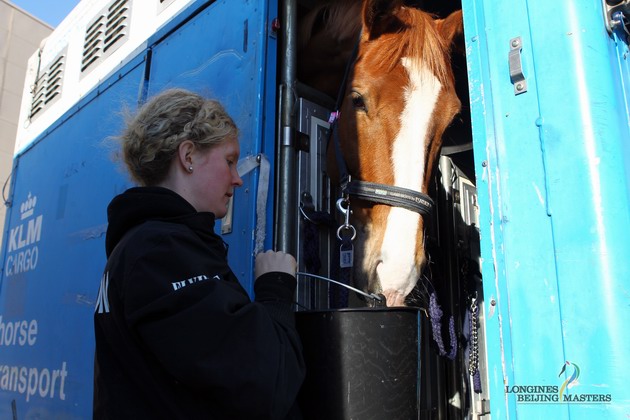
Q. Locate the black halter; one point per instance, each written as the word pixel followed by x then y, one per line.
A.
pixel 376 193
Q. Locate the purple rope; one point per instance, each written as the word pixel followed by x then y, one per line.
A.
pixel 435 315
pixel 477 382
pixel 453 337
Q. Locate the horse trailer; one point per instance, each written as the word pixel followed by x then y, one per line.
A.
pixel 520 309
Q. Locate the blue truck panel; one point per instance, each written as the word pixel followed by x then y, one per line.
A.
pixel 54 255
pixel 61 185
pixel 221 53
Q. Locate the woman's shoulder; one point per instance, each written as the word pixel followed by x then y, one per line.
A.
pixel 158 241
pixel 159 231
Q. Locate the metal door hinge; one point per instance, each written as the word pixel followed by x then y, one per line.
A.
pixel 616 15
pixel 516 66
pixel 483 407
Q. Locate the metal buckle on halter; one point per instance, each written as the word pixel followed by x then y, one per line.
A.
pixel 346 226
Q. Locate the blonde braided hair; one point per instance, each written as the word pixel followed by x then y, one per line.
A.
pixel 152 136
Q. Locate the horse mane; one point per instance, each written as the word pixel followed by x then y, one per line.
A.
pixel 341 19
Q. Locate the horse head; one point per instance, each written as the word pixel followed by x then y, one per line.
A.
pixel 399 99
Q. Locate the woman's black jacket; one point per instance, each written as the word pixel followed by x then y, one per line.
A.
pixel 177 337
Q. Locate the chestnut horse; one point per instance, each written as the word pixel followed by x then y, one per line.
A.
pixel 398 100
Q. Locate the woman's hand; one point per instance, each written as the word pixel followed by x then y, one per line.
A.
pixel 269 261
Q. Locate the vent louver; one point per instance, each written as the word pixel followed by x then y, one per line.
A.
pixel 108 30
pixel 47 87
pixel 93 43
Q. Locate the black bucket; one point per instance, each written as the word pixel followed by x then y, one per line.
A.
pixel 361 364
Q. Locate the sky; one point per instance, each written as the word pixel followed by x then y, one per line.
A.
pixel 50 11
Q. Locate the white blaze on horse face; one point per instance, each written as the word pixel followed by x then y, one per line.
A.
pixel 398 272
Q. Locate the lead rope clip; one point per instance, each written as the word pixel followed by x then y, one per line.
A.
pixel 346 234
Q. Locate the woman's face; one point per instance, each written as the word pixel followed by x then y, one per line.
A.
pixel 214 177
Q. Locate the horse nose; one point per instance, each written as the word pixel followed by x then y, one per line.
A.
pixel 395 274
pixel 396 281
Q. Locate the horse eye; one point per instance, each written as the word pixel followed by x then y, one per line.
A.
pixel 357 101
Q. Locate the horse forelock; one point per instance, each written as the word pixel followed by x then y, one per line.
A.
pixel 416 38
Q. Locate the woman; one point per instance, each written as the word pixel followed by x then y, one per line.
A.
pixel 177 337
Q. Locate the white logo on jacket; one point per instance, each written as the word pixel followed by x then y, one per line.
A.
pixel 179 284
pixel 102 301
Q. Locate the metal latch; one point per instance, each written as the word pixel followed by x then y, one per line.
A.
pixel 516 67
pixel 616 13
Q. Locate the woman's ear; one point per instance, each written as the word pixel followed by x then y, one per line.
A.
pixel 185 155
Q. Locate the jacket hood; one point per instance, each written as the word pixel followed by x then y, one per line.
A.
pixel 140 204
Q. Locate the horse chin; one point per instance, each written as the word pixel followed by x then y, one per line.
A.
pixel 394 298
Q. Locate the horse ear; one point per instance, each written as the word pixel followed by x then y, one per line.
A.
pixel 452 30
pixel 379 16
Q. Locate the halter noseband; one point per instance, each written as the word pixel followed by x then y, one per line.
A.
pixel 377 193
pixel 390 195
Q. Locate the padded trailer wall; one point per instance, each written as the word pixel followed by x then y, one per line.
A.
pixel 53 253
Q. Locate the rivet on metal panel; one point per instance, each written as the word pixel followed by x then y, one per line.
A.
pixel 275 26
pixel 516 68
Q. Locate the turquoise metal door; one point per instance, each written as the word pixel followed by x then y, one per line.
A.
pixel 551 133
